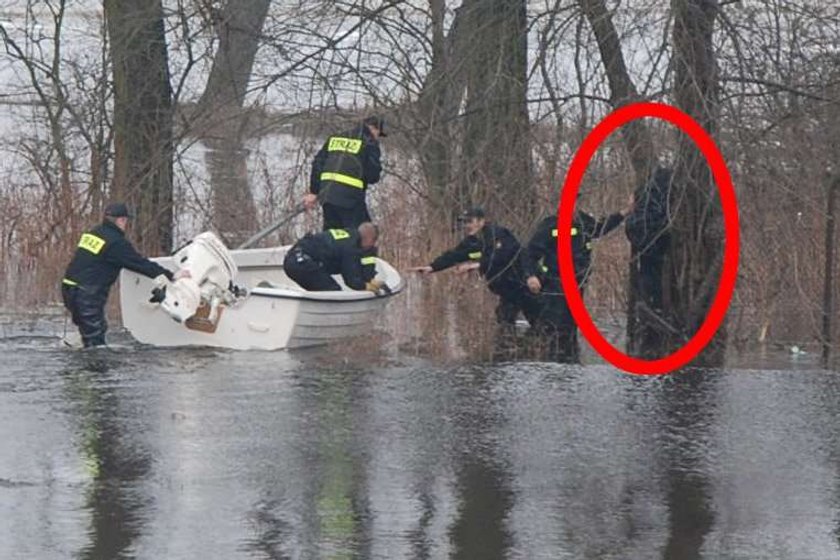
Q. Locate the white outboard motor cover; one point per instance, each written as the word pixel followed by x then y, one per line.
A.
pixel 211 273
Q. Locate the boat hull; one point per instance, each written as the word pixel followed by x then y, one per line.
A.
pixel 276 313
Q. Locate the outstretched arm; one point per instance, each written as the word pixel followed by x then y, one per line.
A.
pixel 123 254
pixel 466 251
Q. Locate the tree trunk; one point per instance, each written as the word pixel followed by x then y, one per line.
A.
pixel 696 251
pixel 225 130
pixel 497 149
pixel 637 134
pixel 828 278
pixel 639 141
pixel 438 105
pixel 142 118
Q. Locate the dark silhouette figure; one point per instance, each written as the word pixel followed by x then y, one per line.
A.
pixel 648 229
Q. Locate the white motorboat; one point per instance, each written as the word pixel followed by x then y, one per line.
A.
pixel 242 300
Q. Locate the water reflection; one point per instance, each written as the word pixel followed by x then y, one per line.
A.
pixel 114 462
pixel 272 455
pixel 480 529
pixel 689 401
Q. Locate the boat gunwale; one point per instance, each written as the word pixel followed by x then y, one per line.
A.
pixel 309 296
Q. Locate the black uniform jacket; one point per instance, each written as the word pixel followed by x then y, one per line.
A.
pixel 496 250
pixel 344 167
pixel 542 249
pixel 100 255
pixel 339 252
pixel 648 224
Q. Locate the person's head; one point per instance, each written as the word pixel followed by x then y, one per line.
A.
pixel 368 235
pixel 118 213
pixel 474 220
pixel 376 125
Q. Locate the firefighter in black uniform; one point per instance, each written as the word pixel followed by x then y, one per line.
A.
pixel 313 260
pixel 555 321
pixel 100 255
pixel 341 173
pixel 648 229
pixel 497 255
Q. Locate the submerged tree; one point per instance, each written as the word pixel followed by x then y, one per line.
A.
pixel 496 146
pixel 696 250
pixel 143 144
pixel 225 123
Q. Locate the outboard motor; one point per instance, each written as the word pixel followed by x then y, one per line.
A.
pixel 209 285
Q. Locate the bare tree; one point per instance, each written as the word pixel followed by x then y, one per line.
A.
pixel 438 105
pixel 238 26
pixel 497 165
pixel 696 250
pixel 623 91
pixel 143 141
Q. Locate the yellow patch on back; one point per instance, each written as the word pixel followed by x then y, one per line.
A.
pixel 91 243
pixel 349 145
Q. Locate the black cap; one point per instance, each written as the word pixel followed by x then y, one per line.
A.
pixel 378 122
pixel 117 210
pixel 474 212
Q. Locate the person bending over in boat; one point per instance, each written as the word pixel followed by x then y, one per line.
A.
pixel 312 261
pixel 100 255
pixel 497 255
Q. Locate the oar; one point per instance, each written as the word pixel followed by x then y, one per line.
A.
pixel 268 230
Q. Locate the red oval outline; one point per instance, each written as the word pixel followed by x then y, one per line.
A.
pixel 729 203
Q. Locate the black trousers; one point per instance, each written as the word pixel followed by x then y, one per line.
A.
pixel 514 298
pixel 338 217
pixel 87 309
pixel 557 328
pixel 651 268
pixel 308 273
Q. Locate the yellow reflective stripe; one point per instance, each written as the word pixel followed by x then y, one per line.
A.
pixel 91 243
pixel 368 260
pixel 544 268
pixel 475 256
pixel 574 231
pixel 349 145
pixel 339 234
pixel 589 246
pixel 343 179
pixel 68 282
pixel 554 233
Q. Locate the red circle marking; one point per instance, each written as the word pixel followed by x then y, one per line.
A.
pixel 729 274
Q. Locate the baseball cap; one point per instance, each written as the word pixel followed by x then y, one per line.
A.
pixel 474 212
pixel 117 210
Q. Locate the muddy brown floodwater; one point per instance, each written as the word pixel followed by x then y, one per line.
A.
pixel 200 454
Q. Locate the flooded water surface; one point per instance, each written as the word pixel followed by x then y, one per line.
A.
pixel 186 454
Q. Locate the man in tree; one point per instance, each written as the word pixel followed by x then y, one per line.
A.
pixel 648 229
pixel 342 171
pixel 313 260
pixel 497 255
pixel 555 321
pixel 100 255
